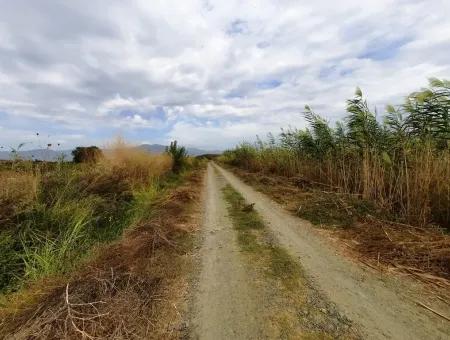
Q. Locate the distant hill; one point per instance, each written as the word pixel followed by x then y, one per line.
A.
pixel 54 155
pixel 158 148
pixel 39 154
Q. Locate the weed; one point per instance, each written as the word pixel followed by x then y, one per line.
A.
pixel 284 267
pixel 52 215
pixel 124 289
pixel 244 221
pixel 251 235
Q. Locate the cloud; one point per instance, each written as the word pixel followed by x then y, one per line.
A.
pixel 207 72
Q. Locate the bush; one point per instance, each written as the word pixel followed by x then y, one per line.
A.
pixel 90 154
pixel 179 156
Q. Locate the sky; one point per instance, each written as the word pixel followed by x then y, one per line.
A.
pixel 210 74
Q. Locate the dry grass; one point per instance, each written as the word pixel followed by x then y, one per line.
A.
pixel 423 252
pixel 130 290
pixel 137 165
pixel 52 214
pixel 415 188
pixel 18 190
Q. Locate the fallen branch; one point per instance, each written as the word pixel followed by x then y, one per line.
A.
pixel 72 317
pixel 432 310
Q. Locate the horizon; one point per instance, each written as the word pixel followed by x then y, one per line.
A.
pixel 206 73
pixel 103 146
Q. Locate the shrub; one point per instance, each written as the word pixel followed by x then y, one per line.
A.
pixel 90 154
pixel 179 155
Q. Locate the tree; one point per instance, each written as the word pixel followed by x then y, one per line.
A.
pixel 90 154
pixel 178 154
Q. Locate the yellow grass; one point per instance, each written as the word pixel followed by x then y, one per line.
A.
pixel 137 165
pixel 18 185
pixel 17 190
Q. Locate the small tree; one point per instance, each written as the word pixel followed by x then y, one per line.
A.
pixel 178 154
pixel 90 154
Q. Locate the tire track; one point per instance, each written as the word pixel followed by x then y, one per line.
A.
pixel 226 302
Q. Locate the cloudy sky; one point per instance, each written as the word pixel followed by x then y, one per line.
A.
pixel 208 73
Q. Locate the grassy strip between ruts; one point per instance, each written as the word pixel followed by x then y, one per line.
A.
pixel 129 289
pixel 250 230
pixel 295 309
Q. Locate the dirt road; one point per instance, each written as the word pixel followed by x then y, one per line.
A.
pixel 382 307
pixel 227 305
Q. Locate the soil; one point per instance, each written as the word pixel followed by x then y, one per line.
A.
pixel 226 302
pixel 235 298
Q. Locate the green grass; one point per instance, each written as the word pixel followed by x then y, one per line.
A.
pixel 75 209
pixel 246 222
pixel 254 238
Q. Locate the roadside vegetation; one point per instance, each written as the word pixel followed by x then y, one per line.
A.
pixel 368 171
pixel 296 309
pixel 57 220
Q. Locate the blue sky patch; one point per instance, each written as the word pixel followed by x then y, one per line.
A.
pixel 237 27
pixel 334 72
pixel 269 84
pixel 384 50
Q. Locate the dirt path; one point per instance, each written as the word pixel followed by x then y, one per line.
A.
pixel 383 308
pixel 225 304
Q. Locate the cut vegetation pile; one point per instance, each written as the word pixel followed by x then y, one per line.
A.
pixel 418 251
pixel 369 175
pixel 60 282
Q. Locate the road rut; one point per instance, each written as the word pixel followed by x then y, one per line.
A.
pixel 226 305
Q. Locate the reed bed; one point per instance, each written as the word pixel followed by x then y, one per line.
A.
pixel 400 162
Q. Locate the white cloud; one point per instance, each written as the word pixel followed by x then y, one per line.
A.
pixel 211 72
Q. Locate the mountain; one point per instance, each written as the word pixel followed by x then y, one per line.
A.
pixel 158 148
pixel 153 148
pixel 39 154
pixel 54 155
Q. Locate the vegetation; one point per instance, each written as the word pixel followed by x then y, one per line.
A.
pixel 401 163
pixel 179 156
pixel 90 154
pixel 248 222
pixel 53 214
pixel 127 288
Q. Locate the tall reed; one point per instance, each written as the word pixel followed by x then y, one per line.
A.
pixel 402 163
